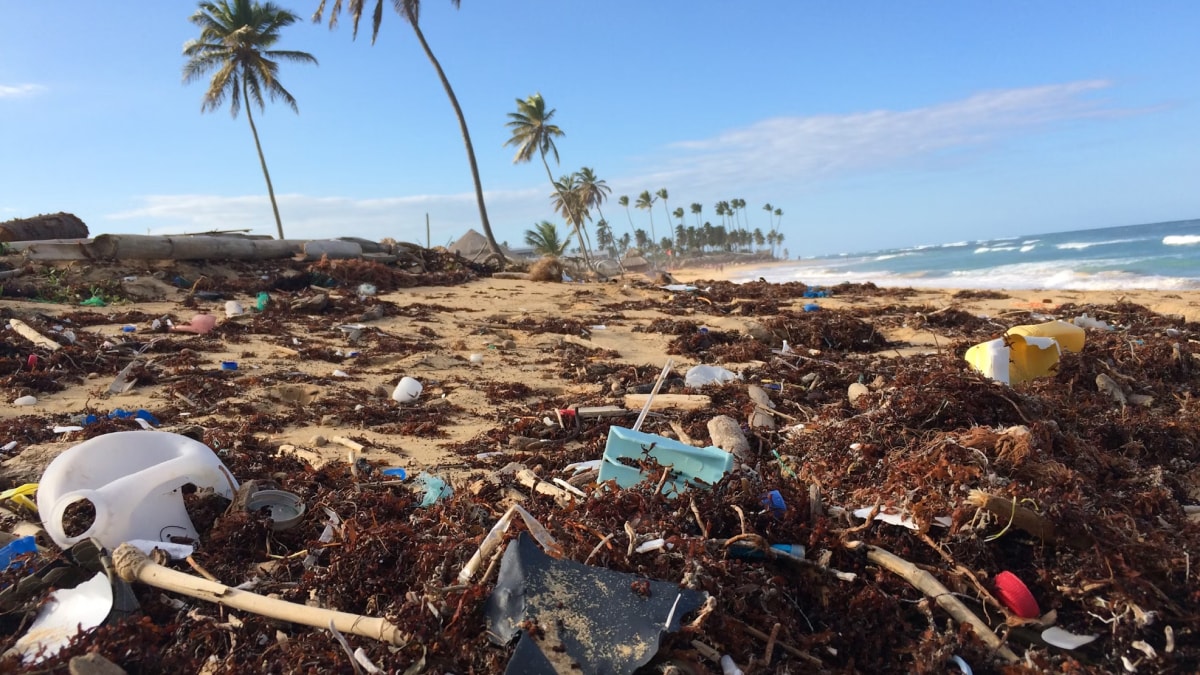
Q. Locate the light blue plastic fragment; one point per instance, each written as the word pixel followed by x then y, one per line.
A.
pixel 689 465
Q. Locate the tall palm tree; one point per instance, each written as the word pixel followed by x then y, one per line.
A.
pixel 568 200
pixel 662 194
pixel 544 239
pixel 645 201
pixel 696 209
pixel 532 133
pixel 592 189
pixel 604 237
pixel 236 39
pixel 410 11
pixel 623 200
pixel 678 213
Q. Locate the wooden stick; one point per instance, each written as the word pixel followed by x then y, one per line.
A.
pixel 530 480
pixel 929 585
pixel 1008 510
pixel 27 332
pixel 133 565
pixel 802 655
pixel 668 401
pixel 349 443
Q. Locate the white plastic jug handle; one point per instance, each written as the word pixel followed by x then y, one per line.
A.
pixel 54 523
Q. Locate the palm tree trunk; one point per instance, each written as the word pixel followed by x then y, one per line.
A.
pixel 462 124
pixel 571 215
pixel 262 160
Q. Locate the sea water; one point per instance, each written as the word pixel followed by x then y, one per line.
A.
pixel 1157 256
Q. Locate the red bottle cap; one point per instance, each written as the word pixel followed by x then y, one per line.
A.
pixel 1015 594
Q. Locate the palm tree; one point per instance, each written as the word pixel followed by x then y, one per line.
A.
pixel 623 200
pixel 593 190
pixel 532 132
pixel 604 237
pixel 544 239
pixel 410 11
pixel 678 213
pixel 759 239
pixel 696 209
pixel 236 39
pixel 645 201
pixel 662 194
pixel 568 200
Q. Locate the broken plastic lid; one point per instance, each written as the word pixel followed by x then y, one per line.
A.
pixel 591 619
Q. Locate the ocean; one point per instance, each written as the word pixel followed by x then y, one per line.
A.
pixel 1157 256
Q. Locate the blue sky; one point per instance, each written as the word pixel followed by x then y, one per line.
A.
pixel 870 124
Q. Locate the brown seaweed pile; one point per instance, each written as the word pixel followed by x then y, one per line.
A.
pixel 1087 497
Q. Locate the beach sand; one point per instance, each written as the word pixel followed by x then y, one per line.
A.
pixel 500 359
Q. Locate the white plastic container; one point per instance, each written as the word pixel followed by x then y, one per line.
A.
pixel 134 481
pixel 233 308
pixel 408 390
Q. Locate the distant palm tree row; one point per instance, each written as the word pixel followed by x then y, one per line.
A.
pixel 577 194
pixel 236 40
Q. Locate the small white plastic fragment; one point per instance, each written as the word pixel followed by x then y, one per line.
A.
pixel 62 617
pixel 589 465
pixel 176 551
pixel 728 667
pixel 25 400
pixel 67 429
pixel 653 545
pixel 1065 639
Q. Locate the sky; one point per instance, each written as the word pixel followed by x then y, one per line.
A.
pixel 871 124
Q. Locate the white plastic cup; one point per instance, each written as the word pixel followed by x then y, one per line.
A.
pixel 233 308
pixel 408 390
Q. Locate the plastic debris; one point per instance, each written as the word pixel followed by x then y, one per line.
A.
pixel 67 612
pixel 603 621
pixel 435 489
pixel 701 375
pixel 16 547
pixel 1065 639
pixel 1016 596
pixel 25 400
pixel 689 465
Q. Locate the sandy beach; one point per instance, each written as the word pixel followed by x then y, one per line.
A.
pixel 503 361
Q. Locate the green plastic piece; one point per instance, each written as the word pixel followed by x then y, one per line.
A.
pixel 94 301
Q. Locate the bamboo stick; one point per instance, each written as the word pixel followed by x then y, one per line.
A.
pixel 133 565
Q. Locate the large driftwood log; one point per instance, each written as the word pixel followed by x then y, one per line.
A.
pixel 133 565
pixel 202 247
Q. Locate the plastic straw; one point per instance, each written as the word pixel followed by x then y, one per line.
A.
pixel 654 392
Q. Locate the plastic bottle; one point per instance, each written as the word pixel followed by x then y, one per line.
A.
pixel 134 481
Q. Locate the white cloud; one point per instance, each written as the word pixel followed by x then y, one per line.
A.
pixel 306 217
pixel 18 90
pixel 785 151
pixel 791 149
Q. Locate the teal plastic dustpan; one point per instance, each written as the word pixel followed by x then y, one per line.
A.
pixel 689 465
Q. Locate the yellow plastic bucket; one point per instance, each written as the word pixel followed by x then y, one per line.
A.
pixel 1068 336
